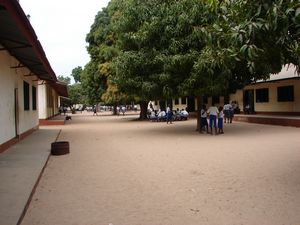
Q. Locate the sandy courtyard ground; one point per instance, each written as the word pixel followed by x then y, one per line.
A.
pixel 126 172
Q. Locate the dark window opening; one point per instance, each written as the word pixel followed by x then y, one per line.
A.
pixel 176 101
pixel 262 95
pixel 226 99
pixel 205 99
pixel 26 95
pixel 183 100
pixel 285 94
pixel 33 98
pixel 215 100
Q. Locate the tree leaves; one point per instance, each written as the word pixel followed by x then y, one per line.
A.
pixel 159 49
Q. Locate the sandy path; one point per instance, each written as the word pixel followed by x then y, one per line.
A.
pixel 127 172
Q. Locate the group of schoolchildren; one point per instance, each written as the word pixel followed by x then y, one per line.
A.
pixel 215 116
pixel 167 115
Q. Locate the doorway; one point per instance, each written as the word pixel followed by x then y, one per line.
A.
pixel 249 100
pixel 191 104
pixel 162 105
pixel 170 103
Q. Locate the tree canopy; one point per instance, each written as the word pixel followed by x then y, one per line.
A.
pixel 102 50
pixel 193 47
pixel 154 49
pixel 66 80
pixel 76 74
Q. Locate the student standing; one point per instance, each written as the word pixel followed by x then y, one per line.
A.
pixel 203 119
pixel 169 114
pixel 220 120
pixel 227 113
pixel 213 112
pixel 95 110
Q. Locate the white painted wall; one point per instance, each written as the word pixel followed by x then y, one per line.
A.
pixel 277 80
pixel 10 79
pixel 273 105
pixel 45 92
pixel 7 86
pixel 42 101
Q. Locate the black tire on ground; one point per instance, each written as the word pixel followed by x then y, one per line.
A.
pixel 60 148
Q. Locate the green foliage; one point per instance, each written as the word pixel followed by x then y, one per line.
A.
pixel 151 49
pixel 76 94
pixel 159 47
pixel 76 73
pixel 92 83
pixel 102 49
pixel 75 91
pixel 66 80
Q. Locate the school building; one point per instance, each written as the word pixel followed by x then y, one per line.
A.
pixel 279 95
pixel 29 88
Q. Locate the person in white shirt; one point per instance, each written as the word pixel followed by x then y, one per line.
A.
pixel 169 114
pixel 161 115
pixel 227 108
pixel 184 114
pixel 123 110
pixel 213 111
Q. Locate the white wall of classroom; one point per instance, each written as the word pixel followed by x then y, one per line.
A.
pixel 273 105
pixel 48 101
pixel 181 103
pixel 176 103
pixel 12 82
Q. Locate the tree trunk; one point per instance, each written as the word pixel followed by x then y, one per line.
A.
pixel 199 106
pixel 143 113
pixel 115 109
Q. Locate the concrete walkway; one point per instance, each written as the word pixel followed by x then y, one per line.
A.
pixel 20 168
pixel 281 120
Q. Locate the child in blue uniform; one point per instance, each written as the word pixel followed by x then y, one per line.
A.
pixel 220 120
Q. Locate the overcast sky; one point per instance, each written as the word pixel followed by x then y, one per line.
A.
pixel 61 27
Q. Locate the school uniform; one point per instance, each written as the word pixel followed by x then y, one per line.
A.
pixel 203 121
pixel 213 111
pixel 220 120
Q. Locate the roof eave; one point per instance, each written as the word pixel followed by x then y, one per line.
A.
pixel 18 15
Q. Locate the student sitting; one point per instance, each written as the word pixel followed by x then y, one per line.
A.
pixel 177 114
pixel 152 116
pixel 184 114
pixel 161 116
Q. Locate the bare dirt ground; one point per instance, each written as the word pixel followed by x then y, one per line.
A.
pixel 126 172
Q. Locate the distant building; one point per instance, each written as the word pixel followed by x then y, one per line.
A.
pixel 278 95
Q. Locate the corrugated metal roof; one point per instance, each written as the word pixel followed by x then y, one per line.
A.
pixel 287 72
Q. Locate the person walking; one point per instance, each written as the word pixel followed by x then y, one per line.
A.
pixel 213 112
pixel 95 110
pixel 227 112
pixel 169 114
